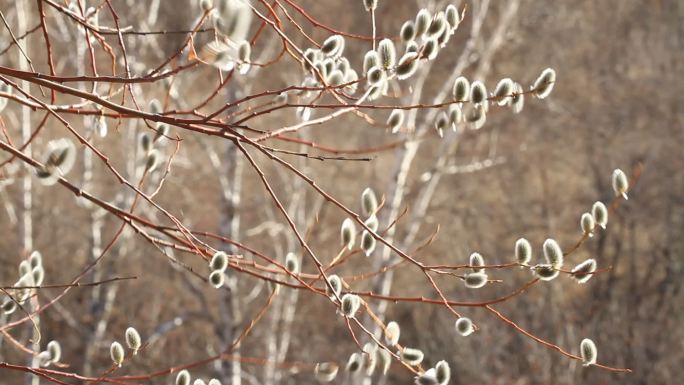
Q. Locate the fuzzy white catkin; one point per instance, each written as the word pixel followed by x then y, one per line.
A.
pixel 392 333
pixel 372 223
pixel 35 259
pixel 620 183
pixel 441 123
pixel 464 326
pixel 423 18
pixel 326 371
pixel 347 233
pixel 376 76
pixel 133 340
pixel 426 378
pixel 336 283
pixel 216 278
pixel 553 253
pixel 543 86
pixel 452 16
pixel 199 381
pixel 431 49
pixel 350 304
pixel 455 116
pixel 587 223
pixel 478 92
pixel 476 261
pixel 461 89
pixel 437 26
pixel 407 66
pixel 600 213
pixel 214 381
pixel 369 203
pixel 116 353
pixel 523 251
pixel 219 261
pixel 333 46
pixel 584 271
pixel 408 31
pixel 292 263
pixel 183 377
pixel 475 280
pixel 368 243
pixel 395 120
pixel 388 53
pixel 411 356
pixel 588 352
pixel 503 90
pixel 442 372
pixel 545 271
pixel 477 116
pixel 55 351
pixel 370 60
pixel 518 99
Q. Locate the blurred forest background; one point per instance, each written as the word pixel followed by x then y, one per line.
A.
pixel 617 102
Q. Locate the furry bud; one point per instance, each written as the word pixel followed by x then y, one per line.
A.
pixel 503 90
pixel 368 243
pixel 588 352
pixel 392 333
pixel 347 233
pixel 478 92
pixel 55 351
pixel 452 17
pixel 584 271
pixel 395 120
pixel 553 253
pixel 384 361
pixel 370 60
pixel 133 340
pixel 441 123
pixel 477 116
pixel 388 53
pixel 437 26
pixel 369 203
pixel 518 99
pixel 545 272
pixel 350 304
pixel 408 31
pixel 620 183
pixel 475 280
pixel 426 378
pixel 422 22
pixel 333 46
pixel 600 214
pixel 461 89
pixel 411 356
pixel 216 278
pixel 476 261
pixel 407 66
pixel 544 84
pixel 523 251
pixel 219 261
pixel 442 372
pixel 587 224
pixel 455 116
pixel 464 326
pixel 116 352
pixel 183 377
pixel 336 283
pixel 292 263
